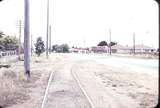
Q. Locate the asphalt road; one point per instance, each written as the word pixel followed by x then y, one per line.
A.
pixel 148 66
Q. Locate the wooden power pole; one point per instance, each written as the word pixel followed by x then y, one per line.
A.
pixel 19 43
pixel 50 39
pixel 31 46
pixel 47 28
pixel 26 39
pixel 134 43
pixel 110 41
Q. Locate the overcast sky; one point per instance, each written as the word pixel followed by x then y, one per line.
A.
pixel 86 22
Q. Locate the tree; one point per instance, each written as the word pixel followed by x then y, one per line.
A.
pixel 9 42
pixel 112 43
pixel 1 34
pixel 1 40
pixel 65 48
pixel 39 46
pixel 102 43
pixel 54 48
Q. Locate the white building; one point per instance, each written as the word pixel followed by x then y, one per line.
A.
pixel 129 49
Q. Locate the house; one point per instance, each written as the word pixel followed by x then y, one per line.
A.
pixel 143 49
pixel 100 49
pixel 121 49
pixel 79 50
pixel 73 50
pixel 129 49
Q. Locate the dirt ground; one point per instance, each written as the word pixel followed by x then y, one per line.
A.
pixel 107 87
pixel 117 87
pixel 16 91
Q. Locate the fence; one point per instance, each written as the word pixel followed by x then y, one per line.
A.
pixel 7 53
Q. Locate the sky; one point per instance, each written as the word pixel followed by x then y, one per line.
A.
pixel 85 23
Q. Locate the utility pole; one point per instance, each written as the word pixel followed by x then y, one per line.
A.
pixel 31 46
pixel 50 39
pixel 84 42
pixel 110 41
pixel 26 39
pixel 134 43
pixel 47 29
pixel 19 43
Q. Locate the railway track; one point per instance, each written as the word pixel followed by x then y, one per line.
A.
pixel 78 84
pixel 46 91
pixel 82 89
